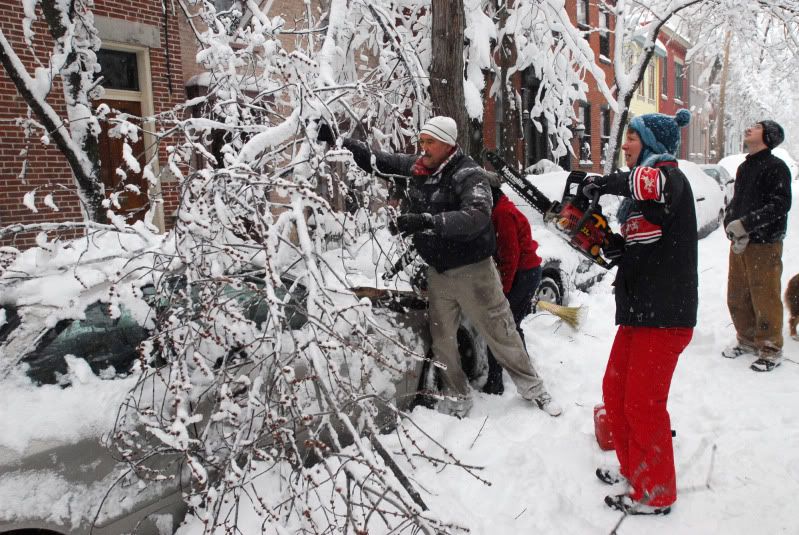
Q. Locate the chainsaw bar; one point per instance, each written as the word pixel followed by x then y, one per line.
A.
pixel 583 231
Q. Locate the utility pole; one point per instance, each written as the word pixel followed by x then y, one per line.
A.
pixel 446 68
pixel 725 67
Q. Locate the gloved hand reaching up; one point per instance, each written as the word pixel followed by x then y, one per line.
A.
pixel 738 235
pixel 410 223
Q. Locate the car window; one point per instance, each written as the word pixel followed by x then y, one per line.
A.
pixel 100 340
pixel 712 172
pixel 258 311
pixel 249 296
pixel 9 320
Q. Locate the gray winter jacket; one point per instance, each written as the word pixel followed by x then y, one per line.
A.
pixel 458 197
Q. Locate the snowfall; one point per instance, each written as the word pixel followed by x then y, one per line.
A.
pixel 736 444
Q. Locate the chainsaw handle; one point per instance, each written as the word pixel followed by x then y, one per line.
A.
pixel 587 214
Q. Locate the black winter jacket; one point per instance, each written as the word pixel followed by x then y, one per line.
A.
pixel 656 283
pixel 762 197
pixel 458 196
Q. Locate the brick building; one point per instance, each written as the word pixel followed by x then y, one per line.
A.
pixel 592 131
pixel 592 128
pixel 143 76
pixel 673 73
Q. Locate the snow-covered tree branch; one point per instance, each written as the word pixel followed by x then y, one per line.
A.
pixel 72 62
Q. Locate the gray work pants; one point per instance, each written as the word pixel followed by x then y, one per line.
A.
pixel 476 291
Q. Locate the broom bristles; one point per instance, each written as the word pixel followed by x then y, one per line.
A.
pixel 572 316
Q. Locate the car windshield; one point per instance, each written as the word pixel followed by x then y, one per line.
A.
pixel 712 172
pixel 109 345
pixel 248 294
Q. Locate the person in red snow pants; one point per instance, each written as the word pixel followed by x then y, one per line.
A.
pixel 656 301
pixel 636 389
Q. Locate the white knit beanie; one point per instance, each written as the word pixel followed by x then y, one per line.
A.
pixel 442 128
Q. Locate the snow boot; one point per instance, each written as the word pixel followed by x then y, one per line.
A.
pixel 547 404
pixel 736 350
pixel 768 361
pixel 625 504
pixel 610 476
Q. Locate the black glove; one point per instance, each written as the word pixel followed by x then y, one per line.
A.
pixel 593 185
pixel 325 133
pixel 614 248
pixel 410 223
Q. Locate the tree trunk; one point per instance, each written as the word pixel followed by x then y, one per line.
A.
pixel 725 67
pixel 446 68
pixel 76 94
pixel 617 130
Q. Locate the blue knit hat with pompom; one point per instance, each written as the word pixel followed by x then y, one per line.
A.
pixel 660 134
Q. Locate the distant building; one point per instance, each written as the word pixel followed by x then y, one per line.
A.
pixel 674 80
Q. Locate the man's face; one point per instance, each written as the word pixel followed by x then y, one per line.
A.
pixel 631 148
pixel 434 151
pixel 753 136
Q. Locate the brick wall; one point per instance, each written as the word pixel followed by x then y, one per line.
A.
pixel 47 169
pixel 594 97
pixel 676 51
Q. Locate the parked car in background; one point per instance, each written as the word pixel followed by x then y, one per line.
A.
pixel 708 198
pixel 731 162
pixel 722 177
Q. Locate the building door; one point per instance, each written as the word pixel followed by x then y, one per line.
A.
pixel 116 175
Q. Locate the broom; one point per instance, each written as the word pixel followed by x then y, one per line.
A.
pixel 571 315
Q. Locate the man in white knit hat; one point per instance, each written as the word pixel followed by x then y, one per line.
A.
pixel 449 218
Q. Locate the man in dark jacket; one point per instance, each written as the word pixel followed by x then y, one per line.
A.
pixel 756 220
pixel 449 217
pixel 656 302
pixel 519 268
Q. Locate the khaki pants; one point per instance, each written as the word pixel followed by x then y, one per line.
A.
pixel 476 291
pixel 753 295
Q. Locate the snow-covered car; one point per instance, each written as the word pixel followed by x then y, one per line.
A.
pixel 722 177
pixel 67 364
pixel 64 363
pixel 708 198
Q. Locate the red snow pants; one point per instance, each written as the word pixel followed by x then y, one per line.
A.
pixel 635 390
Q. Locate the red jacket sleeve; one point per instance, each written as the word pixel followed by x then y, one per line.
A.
pixel 508 251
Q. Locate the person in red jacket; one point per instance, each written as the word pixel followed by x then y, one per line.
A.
pixel 519 268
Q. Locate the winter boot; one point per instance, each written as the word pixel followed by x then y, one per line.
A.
pixel 736 350
pixel 625 504
pixel 767 361
pixel 547 404
pixel 494 384
pixel 609 476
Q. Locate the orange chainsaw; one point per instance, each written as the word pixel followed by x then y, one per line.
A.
pixel 575 218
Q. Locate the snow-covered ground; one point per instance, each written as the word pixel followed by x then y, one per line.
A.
pixel 736 449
